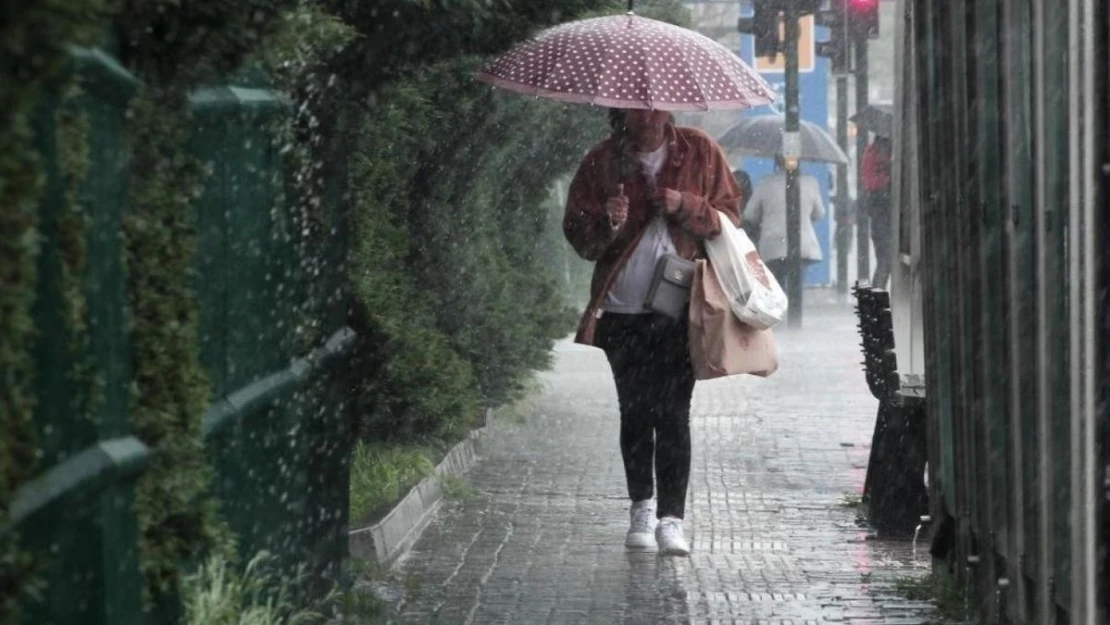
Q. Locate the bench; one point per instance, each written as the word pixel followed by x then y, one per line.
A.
pixel 894 489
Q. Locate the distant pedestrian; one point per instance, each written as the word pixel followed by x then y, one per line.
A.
pixel 744 183
pixel 875 179
pixel 767 209
pixel 648 190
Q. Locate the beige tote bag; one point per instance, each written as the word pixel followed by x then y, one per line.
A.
pixel 720 344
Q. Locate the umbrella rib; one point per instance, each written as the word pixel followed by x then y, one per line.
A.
pixel 694 75
pixel 649 77
pixel 702 92
pixel 606 50
pixel 609 51
pixel 565 56
pixel 775 127
pixel 554 69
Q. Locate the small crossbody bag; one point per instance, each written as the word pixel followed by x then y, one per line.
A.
pixel 669 294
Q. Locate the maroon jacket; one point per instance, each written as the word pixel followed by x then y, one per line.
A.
pixel 875 169
pixel 695 166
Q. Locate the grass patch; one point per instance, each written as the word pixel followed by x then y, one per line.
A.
pixel 382 475
pixel 455 487
pixel 219 593
pixel 356 607
pixel 943 591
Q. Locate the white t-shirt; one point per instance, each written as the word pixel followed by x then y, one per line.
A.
pixel 630 289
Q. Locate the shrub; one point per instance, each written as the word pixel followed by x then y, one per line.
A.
pixel 450 187
pixel 448 226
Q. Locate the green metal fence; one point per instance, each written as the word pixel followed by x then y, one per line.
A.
pixel 277 432
pixel 77 518
pixel 1005 111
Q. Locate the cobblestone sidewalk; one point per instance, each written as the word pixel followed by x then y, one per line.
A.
pixel 540 539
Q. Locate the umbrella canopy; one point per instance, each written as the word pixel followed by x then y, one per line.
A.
pixel 632 62
pixel 876 118
pixel 762 136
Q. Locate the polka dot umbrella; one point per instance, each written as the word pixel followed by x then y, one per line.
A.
pixel 627 61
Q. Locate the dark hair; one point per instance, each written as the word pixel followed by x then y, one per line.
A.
pixel 744 181
pixel 616 119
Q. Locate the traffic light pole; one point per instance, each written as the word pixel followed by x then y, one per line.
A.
pixel 843 224
pixel 790 152
pixel 863 220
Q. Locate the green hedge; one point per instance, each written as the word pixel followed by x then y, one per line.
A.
pixel 454 234
pixel 447 226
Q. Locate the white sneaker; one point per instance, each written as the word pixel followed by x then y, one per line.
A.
pixel 640 529
pixel 669 536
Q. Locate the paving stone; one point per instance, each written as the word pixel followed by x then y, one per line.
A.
pixel 539 542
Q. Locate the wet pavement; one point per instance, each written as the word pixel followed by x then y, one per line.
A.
pixel 540 539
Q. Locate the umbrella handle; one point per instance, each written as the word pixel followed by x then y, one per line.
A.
pixel 620 190
pixel 630 3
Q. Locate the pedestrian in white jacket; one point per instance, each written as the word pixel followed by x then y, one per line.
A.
pixel 767 209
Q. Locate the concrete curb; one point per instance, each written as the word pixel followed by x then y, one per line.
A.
pixel 390 538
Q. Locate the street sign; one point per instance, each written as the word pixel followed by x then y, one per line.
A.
pixel 791 144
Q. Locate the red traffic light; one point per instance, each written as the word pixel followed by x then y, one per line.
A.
pixel 863 17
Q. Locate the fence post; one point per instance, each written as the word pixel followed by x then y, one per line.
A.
pixel 76 517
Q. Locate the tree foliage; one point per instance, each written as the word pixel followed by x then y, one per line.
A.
pixel 447 227
pixel 450 193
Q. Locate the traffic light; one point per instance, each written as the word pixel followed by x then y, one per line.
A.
pixel 863 18
pixel 835 18
pixel 766 23
pixel 764 26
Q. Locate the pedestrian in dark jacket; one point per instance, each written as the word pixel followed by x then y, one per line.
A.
pixel 648 190
pixel 875 180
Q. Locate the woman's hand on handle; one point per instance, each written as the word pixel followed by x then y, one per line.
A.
pixel 668 200
pixel 617 209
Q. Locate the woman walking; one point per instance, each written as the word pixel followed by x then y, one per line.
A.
pixel 767 211
pixel 648 190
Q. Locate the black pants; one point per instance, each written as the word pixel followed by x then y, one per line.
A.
pixel 655 381
pixel 779 269
pixel 878 209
